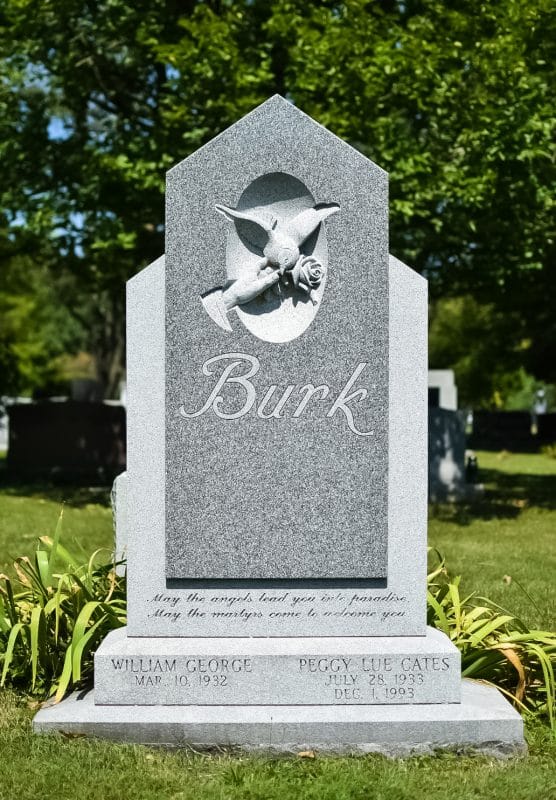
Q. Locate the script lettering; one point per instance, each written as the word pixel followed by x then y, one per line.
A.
pixel 239 368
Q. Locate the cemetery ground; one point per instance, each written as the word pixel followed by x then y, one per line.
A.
pixel 502 545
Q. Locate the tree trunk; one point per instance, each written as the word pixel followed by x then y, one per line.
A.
pixel 109 346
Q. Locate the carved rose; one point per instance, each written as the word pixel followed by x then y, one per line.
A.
pixel 307 274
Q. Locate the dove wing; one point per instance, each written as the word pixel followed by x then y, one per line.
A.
pixel 252 229
pixel 232 214
pixel 302 225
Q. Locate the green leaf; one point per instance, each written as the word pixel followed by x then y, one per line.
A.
pixel 41 560
pixel 37 628
pixel 64 682
pixel 78 649
pixel 55 544
pixel 16 631
pixel 489 627
pixel 84 619
pixel 441 621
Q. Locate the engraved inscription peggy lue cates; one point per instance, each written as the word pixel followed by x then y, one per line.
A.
pixel 276 356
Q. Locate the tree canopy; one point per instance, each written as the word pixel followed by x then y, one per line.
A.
pixel 455 100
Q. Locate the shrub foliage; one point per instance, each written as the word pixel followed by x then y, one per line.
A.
pixel 52 621
pixel 496 647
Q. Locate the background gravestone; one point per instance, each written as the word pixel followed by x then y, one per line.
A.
pixel 443 392
pixel 446 455
pixel 71 441
pixel 277 561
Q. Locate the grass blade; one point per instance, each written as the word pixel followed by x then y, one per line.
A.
pixel 79 648
pixel 65 678
pixel 55 544
pixel 37 631
pixel 16 631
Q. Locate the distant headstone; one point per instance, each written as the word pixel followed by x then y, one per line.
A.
pixel 447 477
pixel 503 430
pixel 547 429
pixel 540 402
pixel 4 422
pixel 277 471
pixel 443 391
pixel 86 390
pixel 67 440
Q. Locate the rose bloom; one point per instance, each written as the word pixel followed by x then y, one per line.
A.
pixel 307 273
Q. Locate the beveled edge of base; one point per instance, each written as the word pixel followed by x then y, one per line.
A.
pixel 484 722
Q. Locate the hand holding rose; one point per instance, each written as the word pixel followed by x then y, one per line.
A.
pixel 306 275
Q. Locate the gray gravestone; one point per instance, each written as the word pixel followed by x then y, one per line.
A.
pixel 442 382
pixel 447 455
pixel 240 470
pixel 277 470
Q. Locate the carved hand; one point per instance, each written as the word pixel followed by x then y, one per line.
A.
pixel 247 288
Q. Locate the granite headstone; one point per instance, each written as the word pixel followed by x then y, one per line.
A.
pixel 277 471
pixel 442 387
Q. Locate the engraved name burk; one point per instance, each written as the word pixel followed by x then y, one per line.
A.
pixel 235 370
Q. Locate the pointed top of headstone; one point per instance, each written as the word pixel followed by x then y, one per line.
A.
pixel 277 123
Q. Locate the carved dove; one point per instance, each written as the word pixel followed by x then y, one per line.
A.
pixel 285 236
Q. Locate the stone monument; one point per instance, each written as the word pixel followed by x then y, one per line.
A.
pixel 277 471
pixel 443 392
pixel 447 439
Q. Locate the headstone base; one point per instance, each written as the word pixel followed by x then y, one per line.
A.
pixel 483 721
pixel 308 670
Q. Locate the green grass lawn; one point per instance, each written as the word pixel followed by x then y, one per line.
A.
pixel 29 512
pixel 503 545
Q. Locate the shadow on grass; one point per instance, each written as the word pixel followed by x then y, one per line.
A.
pixel 74 496
pixel 506 495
